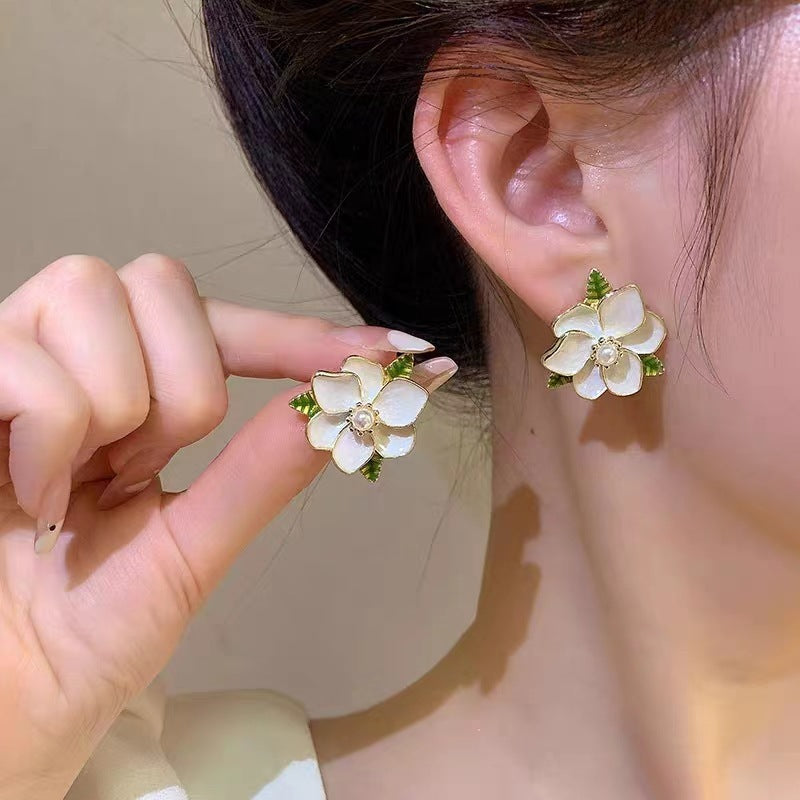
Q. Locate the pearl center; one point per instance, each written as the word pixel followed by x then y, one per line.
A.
pixel 363 419
pixel 606 353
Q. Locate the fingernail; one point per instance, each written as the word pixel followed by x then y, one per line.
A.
pixel 138 487
pixel 434 373
pixel 406 343
pixel 135 476
pixel 46 536
pixel 119 490
pixel 52 511
pixel 381 339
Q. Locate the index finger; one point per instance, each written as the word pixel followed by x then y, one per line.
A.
pixel 256 343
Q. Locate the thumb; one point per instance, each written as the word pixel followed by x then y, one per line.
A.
pixel 265 464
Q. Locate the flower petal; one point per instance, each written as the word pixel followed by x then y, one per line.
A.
pixel 399 402
pixel 621 312
pixel 578 318
pixel 569 354
pixel 336 392
pixel 323 429
pixel 352 451
pixel 394 442
pixel 625 377
pixel 369 373
pixel 589 382
pixel 647 338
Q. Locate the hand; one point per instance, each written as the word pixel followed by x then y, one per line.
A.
pixel 108 373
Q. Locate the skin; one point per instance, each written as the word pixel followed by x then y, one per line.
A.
pixel 637 632
pixel 108 373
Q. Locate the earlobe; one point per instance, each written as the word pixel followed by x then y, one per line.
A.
pixel 515 194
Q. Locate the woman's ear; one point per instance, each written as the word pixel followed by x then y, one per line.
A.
pixel 501 159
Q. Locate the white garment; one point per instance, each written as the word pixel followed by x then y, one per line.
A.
pixel 216 746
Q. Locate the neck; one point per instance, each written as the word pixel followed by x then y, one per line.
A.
pixel 636 634
pixel 662 645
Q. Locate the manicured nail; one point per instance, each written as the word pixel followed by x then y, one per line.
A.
pixel 406 343
pixel 52 511
pixel 137 487
pixel 134 476
pixel 434 373
pixel 46 535
pixel 118 491
pixel 381 339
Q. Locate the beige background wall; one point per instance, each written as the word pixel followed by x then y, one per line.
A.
pixel 110 144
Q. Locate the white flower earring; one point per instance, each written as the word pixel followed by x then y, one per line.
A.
pixel 605 342
pixel 364 413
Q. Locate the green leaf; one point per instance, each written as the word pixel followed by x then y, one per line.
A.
pixel 652 365
pixel 597 287
pixel 401 367
pixel 372 469
pixel 554 381
pixel 306 404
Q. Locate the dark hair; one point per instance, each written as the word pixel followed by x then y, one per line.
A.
pixel 321 96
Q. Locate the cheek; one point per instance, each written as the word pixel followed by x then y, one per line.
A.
pixel 745 436
pixel 741 434
pixel 733 421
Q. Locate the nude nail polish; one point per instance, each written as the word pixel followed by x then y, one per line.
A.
pixel 137 487
pixel 406 343
pixel 381 339
pixel 47 533
pixel 118 492
pixel 434 373
pixel 52 511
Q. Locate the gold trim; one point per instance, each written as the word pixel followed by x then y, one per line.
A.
pixel 555 347
pixel 311 419
pixel 390 428
pixel 324 374
pixel 572 308
pixel 366 461
pixel 630 354
pixel 617 291
pixel 661 320
pixel 385 378
pixel 408 380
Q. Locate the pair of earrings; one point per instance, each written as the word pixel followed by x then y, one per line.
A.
pixel 366 412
